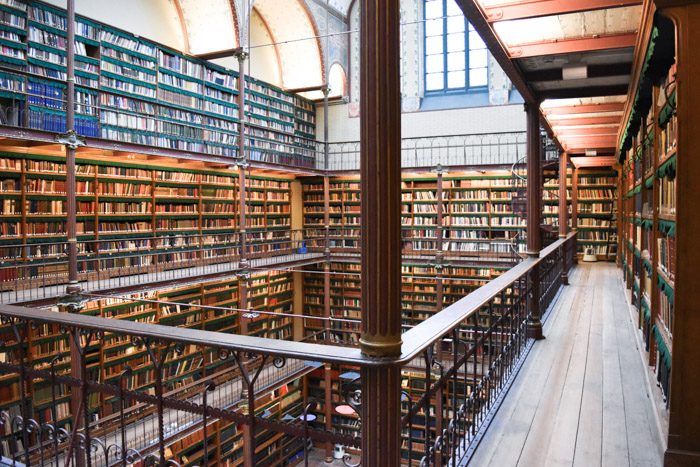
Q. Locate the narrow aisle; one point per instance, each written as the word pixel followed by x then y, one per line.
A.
pixel 581 398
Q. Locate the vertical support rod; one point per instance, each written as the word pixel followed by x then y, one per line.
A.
pixel 440 214
pixel 71 209
pixel 242 159
pixel 242 206
pixel 328 409
pixel 249 428
pixel 327 301
pixel 380 170
pixel 327 217
pixel 563 213
pixel 243 301
pixel 574 208
pixel 534 213
pixel 563 203
pixel 326 155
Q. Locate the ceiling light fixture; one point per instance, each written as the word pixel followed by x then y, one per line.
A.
pixel 574 72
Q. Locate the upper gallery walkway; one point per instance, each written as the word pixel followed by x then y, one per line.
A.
pixel 582 396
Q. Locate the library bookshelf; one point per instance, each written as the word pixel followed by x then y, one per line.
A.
pixel 476 211
pixel 648 155
pixel 597 212
pixel 129 211
pixel 132 90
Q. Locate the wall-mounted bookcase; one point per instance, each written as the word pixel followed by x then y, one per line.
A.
pixel 597 212
pixel 648 232
pixel 418 294
pixel 133 90
pixel 126 209
pixel 268 291
pixel 477 213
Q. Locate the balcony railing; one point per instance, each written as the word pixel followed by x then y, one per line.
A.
pixel 40 270
pixel 455 366
pixel 427 152
pixel 287 150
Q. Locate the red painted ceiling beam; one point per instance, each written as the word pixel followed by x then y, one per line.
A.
pixel 563 123
pixel 538 8
pixel 564 46
pixel 595 161
pixel 589 141
pixel 585 108
pixel 574 132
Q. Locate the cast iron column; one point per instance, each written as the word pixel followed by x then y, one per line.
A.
pixel 242 163
pixel 563 213
pixel 380 171
pixel 574 206
pixel 242 160
pixel 71 209
pixel 534 213
pixel 563 206
pixel 71 225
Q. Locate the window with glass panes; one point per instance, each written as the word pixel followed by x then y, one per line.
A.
pixel 455 56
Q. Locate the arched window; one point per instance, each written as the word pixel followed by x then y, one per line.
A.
pixel 456 58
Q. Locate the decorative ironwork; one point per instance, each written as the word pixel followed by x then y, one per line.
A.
pixel 461 359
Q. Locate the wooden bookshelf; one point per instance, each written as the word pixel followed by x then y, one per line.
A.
pixel 182 214
pixel 148 94
pixel 418 294
pixel 648 183
pixel 597 212
pixel 477 213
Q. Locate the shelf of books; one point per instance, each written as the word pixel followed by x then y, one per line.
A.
pixel 418 295
pixel 132 90
pixel 550 196
pixel 174 215
pixel 179 307
pixel 649 221
pixel 344 301
pixel 597 213
pixel 477 213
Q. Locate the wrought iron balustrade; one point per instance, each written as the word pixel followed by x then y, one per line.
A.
pixel 455 366
pixel 40 270
pixel 35 271
pixel 468 150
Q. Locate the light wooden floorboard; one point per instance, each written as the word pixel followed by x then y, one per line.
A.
pixel 580 398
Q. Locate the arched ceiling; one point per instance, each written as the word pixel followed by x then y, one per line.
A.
pixel 288 22
pixel 214 25
pixel 209 25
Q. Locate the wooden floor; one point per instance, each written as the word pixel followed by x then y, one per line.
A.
pixel 581 398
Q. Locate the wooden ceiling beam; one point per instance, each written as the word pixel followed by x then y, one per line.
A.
pixel 577 45
pixel 595 161
pixel 538 8
pixel 574 132
pixel 584 109
pixel 589 142
pixel 569 122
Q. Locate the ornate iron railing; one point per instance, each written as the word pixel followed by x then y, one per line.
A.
pixel 289 151
pixel 59 402
pixel 427 152
pixel 40 270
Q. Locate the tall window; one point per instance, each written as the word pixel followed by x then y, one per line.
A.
pixel 455 56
